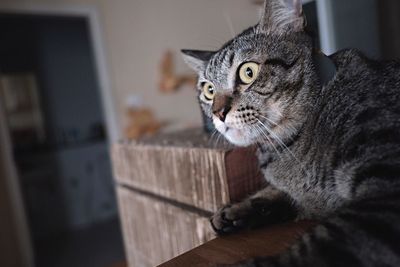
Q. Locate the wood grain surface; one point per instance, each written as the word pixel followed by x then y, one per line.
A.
pixel 155 231
pixel 185 167
pixel 237 247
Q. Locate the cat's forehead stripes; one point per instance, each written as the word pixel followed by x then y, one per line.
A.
pixel 223 59
pixel 220 65
pixel 222 62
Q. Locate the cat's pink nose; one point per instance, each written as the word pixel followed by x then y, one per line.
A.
pixel 221 106
pixel 221 114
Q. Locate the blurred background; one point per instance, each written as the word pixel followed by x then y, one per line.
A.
pixel 78 75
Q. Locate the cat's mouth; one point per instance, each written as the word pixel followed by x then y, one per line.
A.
pixel 264 131
pixel 242 136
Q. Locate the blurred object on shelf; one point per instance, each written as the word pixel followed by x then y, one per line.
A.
pixel 169 80
pixel 141 122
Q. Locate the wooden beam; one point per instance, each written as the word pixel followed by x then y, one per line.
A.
pixel 230 249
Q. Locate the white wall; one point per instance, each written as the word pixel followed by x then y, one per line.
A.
pixel 137 32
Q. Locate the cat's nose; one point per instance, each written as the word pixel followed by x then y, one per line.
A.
pixel 221 114
pixel 222 104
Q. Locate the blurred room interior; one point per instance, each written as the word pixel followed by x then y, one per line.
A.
pixel 73 76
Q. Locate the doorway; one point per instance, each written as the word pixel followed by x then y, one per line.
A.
pixel 51 94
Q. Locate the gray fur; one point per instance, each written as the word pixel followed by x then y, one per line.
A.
pixel 330 153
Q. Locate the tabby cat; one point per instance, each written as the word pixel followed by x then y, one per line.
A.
pixel 329 152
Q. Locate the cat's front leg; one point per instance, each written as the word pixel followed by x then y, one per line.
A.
pixel 268 206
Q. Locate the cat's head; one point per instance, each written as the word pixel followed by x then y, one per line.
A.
pixel 253 88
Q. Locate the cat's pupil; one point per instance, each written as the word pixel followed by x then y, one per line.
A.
pixel 249 72
pixel 211 90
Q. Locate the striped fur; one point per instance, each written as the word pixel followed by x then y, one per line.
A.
pixel 330 153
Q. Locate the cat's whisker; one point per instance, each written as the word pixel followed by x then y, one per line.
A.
pixel 277 125
pixel 230 24
pixel 213 136
pixel 284 129
pixel 278 112
pixel 270 141
pixel 283 145
pixel 280 142
pixel 218 139
pixel 269 120
pixel 261 131
pixel 210 43
pixel 216 40
pixel 213 133
pixel 218 136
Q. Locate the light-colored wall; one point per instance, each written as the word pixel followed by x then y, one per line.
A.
pixel 137 32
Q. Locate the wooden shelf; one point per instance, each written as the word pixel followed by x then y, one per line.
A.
pixel 237 247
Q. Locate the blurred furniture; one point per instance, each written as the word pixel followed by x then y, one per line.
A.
pixel 230 249
pixel 20 96
pixel 67 187
pixel 169 185
pixel 141 122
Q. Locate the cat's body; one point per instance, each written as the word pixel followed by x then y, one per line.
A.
pixel 330 153
pixel 355 120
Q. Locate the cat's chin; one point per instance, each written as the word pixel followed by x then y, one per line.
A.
pixel 237 137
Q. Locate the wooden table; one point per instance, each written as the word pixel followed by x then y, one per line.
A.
pixel 233 248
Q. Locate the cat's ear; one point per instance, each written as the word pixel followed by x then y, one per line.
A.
pixel 281 16
pixel 197 59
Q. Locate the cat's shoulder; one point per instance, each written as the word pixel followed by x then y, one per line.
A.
pixel 346 57
pixel 355 59
pixel 357 72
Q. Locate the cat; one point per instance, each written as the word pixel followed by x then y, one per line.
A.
pixel 329 152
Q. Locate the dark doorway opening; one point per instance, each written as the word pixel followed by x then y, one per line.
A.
pixel 51 95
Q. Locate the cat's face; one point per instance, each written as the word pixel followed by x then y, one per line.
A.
pixel 250 88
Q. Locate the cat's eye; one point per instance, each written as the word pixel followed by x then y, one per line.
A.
pixel 208 90
pixel 248 72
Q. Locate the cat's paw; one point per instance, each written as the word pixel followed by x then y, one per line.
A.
pixel 230 218
pixel 250 213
